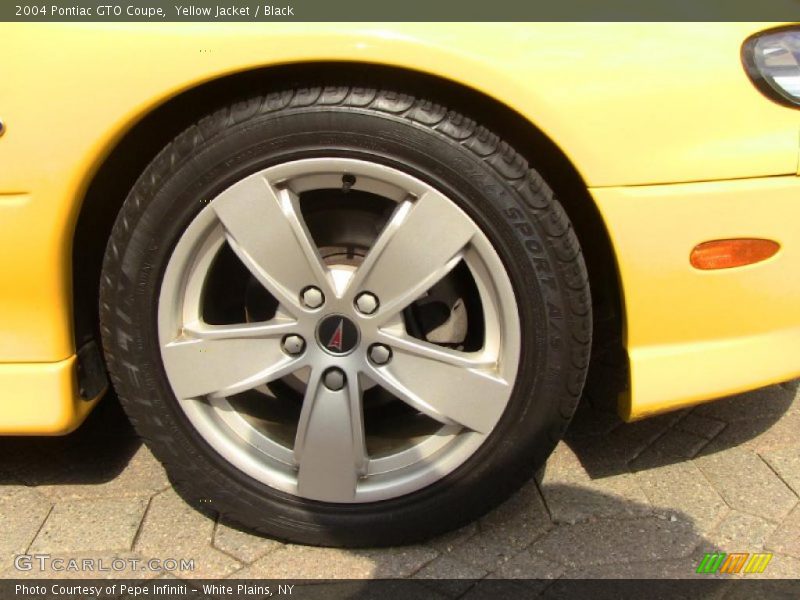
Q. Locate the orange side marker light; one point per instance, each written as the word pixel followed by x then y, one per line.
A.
pixel 725 254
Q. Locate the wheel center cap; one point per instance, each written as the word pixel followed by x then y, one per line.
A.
pixel 337 335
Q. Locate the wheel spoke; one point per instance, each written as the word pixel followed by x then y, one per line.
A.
pixel 421 244
pixel 226 360
pixel 329 447
pixel 266 230
pixel 422 349
pixel 446 392
pixel 268 329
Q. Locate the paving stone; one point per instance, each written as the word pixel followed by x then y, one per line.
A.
pixel 780 566
pixel 781 435
pixel 506 530
pixel 761 435
pixel 530 565
pixel 77 457
pixel 22 513
pixel 675 568
pixel 306 562
pixel 640 508
pixel 747 484
pixel 446 567
pixel 624 443
pixel 770 401
pixel 738 434
pixel 700 425
pixel 449 576
pixel 399 562
pixel 244 546
pixel 103 525
pixel 485 551
pixel 453 539
pixel 741 532
pixel 11 487
pixel 173 529
pixel 786 537
pixel 520 519
pixel 572 495
pixel 105 476
pixel 598 456
pixel 618 540
pixel 678 443
pixel 20 457
pixel 681 490
pixel 786 463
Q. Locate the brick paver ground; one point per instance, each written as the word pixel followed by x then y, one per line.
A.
pixel 616 500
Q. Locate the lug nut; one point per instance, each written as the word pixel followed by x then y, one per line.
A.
pixel 293 344
pixel 367 303
pixel 313 297
pixel 333 379
pixel 380 354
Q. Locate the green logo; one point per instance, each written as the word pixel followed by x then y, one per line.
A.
pixel 736 562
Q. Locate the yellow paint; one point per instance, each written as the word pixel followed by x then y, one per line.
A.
pixel 629 104
pixel 693 335
pixel 41 398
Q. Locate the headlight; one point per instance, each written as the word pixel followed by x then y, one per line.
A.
pixel 772 59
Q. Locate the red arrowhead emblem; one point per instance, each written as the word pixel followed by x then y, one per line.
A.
pixel 335 343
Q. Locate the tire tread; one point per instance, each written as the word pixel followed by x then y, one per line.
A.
pixel 538 198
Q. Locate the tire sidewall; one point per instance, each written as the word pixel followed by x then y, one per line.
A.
pixel 161 206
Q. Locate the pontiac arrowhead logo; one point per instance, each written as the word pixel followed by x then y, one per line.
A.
pixel 335 343
pixel 337 335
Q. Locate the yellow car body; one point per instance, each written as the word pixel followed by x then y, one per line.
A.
pixel 673 142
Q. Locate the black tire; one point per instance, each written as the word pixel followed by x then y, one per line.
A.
pixel 489 180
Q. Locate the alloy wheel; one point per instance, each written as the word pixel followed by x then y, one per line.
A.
pixel 343 367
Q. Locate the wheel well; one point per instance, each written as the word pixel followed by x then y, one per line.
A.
pixel 116 176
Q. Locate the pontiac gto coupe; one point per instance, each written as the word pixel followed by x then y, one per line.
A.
pixel 349 281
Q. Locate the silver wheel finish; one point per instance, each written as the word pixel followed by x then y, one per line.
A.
pixel 426 236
